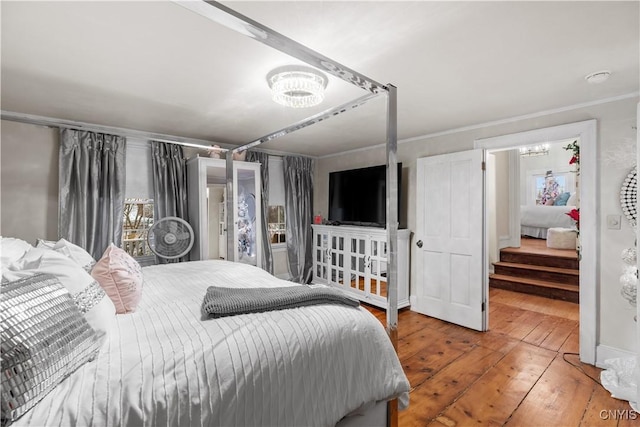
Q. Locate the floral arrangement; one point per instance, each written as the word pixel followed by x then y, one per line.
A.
pixel 575 159
pixel 574 214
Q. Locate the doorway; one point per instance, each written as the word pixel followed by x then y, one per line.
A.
pixel 541 182
pixel 589 233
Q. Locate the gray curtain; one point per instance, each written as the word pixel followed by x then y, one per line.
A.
pixel 169 184
pixel 263 159
pixel 298 194
pixel 91 171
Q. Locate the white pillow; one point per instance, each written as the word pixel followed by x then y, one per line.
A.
pixel 70 250
pixel 90 298
pixel 572 200
pixel 11 250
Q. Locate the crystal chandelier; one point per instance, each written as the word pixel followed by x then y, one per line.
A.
pixel 297 86
pixel 536 150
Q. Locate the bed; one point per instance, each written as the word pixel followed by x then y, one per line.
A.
pixel 319 365
pixel 535 220
pixel 164 364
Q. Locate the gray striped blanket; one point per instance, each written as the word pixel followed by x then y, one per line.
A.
pixel 220 302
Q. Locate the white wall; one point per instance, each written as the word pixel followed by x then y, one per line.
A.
pixel 497 199
pixel 502 193
pixel 492 204
pixel 28 181
pixel 615 135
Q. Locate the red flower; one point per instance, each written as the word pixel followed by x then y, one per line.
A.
pixel 574 214
pixel 573 160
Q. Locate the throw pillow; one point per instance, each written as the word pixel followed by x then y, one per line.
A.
pixel 561 200
pixel 121 277
pixel 86 292
pixel 573 200
pixel 11 250
pixel 71 251
pixel 40 349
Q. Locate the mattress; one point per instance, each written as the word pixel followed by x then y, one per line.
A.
pixel 164 365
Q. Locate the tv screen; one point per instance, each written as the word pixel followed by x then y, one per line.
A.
pixel 359 196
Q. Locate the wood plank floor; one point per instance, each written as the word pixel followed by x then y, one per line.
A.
pixel 512 375
pixel 539 246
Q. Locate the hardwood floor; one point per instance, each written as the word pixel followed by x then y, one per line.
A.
pixel 512 375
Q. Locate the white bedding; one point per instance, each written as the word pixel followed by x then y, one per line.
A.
pixel 536 220
pixel 165 366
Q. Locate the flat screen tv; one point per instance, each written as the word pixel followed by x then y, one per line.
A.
pixel 359 196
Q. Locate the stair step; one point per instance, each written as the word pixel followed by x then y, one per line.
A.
pixel 518 256
pixel 550 274
pixel 543 288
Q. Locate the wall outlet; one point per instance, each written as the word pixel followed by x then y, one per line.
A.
pixel 613 222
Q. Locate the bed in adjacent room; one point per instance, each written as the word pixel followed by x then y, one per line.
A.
pixel 535 220
pixel 164 364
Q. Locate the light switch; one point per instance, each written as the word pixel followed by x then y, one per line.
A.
pixel 613 222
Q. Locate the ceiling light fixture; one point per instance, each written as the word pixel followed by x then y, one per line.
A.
pixel 297 86
pixel 536 150
pixel 598 77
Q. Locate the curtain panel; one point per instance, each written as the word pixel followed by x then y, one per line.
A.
pixel 92 171
pixel 263 159
pixel 298 193
pixel 170 197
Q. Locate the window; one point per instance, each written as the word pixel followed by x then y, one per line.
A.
pixel 138 202
pixel 545 185
pixel 276 215
pixel 277 231
pixel 138 219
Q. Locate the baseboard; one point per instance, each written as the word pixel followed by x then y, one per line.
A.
pixel 504 242
pixel 604 352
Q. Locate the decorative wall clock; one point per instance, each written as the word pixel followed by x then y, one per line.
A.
pixel 629 196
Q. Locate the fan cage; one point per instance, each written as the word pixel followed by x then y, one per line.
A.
pixel 170 238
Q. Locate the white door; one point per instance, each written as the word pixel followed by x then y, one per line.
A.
pixel 449 235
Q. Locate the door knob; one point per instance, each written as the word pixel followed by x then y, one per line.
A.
pixel 419 243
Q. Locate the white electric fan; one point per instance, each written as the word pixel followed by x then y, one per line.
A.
pixel 170 237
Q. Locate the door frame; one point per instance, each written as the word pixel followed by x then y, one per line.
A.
pixel 589 215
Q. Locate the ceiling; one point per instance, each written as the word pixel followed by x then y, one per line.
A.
pixel 156 66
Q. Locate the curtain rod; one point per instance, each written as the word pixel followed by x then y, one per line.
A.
pixel 171 139
pixel 72 124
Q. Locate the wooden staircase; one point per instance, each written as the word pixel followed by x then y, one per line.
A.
pixel 548 273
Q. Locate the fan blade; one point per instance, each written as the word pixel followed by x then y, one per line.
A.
pixel 158 235
pixel 183 235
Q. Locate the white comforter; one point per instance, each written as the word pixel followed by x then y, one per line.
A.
pixel 165 366
pixel 535 220
pixel 546 216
